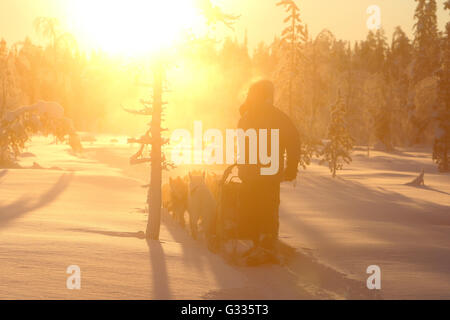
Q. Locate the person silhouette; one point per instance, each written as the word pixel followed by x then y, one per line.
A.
pixel 260 194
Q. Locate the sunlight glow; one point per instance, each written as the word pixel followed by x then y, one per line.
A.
pixel 134 27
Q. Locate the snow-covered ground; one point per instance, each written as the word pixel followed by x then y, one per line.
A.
pixel 88 211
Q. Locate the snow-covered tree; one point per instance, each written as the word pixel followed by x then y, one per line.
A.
pixel 367 53
pixel 3 76
pixel 400 56
pixel 399 70
pixel 337 149
pixel 441 147
pixel 290 78
pixel 323 54
pixel 9 91
pixel 292 38
pixel 373 51
pixel 381 50
pixel 426 40
pixel 384 118
pixel 18 126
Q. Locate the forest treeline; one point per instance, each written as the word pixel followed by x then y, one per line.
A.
pixel 394 92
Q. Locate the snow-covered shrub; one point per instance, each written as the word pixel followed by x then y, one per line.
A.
pixel 337 149
pixel 18 126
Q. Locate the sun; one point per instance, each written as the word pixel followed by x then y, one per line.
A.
pixel 134 27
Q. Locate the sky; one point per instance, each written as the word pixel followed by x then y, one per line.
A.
pixel 261 19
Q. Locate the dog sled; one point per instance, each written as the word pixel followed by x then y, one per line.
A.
pixel 234 228
pixel 229 229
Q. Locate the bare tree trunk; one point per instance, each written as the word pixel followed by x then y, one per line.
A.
pixel 154 196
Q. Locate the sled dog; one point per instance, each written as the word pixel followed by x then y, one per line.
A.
pixel 201 206
pixel 175 198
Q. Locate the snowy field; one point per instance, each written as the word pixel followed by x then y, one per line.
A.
pixel 88 211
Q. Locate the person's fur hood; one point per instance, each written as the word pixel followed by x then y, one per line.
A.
pixel 260 95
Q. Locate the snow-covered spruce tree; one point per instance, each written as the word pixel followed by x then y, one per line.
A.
pixel 398 65
pixel 400 55
pixel 426 64
pixel 337 149
pixel 289 52
pixel 292 38
pixel 426 40
pixel 379 103
pixel 381 50
pixel 323 55
pixel 441 147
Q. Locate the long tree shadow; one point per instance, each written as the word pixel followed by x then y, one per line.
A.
pixel 428 188
pixel 138 235
pixel 157 258
pixel 26 204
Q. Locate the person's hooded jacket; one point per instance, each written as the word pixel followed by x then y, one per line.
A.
pixel 258 112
